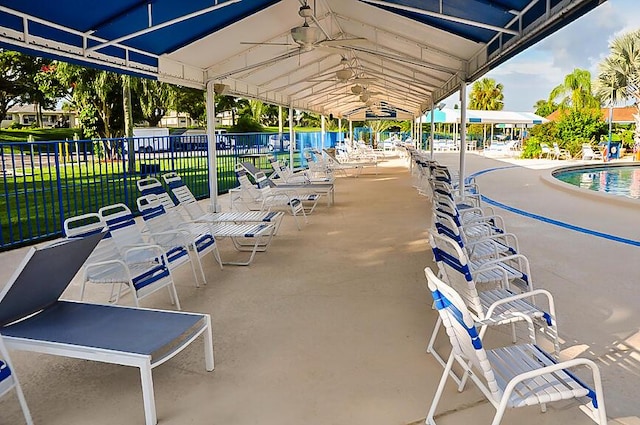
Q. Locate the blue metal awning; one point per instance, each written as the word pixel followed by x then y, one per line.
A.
pixel 406 53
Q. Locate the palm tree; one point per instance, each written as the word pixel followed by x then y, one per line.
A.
pixel 486 95
pixel 619 77
pixel 575 92
pixel 544 108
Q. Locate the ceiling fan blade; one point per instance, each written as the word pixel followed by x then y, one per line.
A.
pixel 364 80
pixel 343 42
pixel 267 44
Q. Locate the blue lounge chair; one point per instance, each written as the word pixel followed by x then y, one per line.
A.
pixel 33 318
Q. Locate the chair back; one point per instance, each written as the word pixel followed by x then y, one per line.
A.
pixel 89 224
pixel 453 264
pixel 152 186
pixel 463 335
pixel 183 195
pixel 122 226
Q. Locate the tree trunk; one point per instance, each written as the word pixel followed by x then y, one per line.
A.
pixel 128 122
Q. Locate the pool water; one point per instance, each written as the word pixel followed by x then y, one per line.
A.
pixel 621 181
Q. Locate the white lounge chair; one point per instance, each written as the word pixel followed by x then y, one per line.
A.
pixel 512 376
pixel 143 269
pixel 307 192
pixel 589 154
pixel 126 234
pixel 251 237
pixel 9 381
pixel 196 213
pixel 559 153
pixel 33 318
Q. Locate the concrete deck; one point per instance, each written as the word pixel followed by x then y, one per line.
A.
pixel 330 325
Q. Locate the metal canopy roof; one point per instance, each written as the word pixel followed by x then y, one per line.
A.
pixel 405 53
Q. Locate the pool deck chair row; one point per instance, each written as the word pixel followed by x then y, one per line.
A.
pixel 511 376
pixel 33 318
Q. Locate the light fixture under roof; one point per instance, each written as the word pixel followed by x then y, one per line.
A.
pixel 305 35
pixel 344 74
pixel 357 89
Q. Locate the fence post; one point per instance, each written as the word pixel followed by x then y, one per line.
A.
pixel 126 163
pixel 56 147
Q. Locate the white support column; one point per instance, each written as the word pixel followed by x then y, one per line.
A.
pixel 350 131
pixel 340 138
pixel 322 132
pixel 211 147
pixel 463 134
pixel 413 127
pixel 433 128
pixel 420 132
pixel 280 124
pixel 292 138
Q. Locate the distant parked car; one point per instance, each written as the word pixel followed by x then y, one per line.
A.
pixel 223 142
pixel 275 144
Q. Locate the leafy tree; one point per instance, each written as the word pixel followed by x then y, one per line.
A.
pixel 544 108
pixel 156 99
pixel 231 104
pixel 246 124
pixel 18 82
pixel 580 126
pixel 619 75
pixel 191 101
pixel 486 95
pixel 575 92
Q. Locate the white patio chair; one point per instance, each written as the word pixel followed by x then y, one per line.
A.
pixel 126 234
pixel 165 226
pixel 196 213
pixel 253 198
pixel 308 192
pixel 249 236
pixel 142 269
pixel 9 381
pixel 152 186
pixel 545 151
pixel 589 154
pixel 512 376
pixel 487 292
pixel 559 153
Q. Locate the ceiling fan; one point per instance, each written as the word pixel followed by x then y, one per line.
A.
pixel 308 37
pixel 345 74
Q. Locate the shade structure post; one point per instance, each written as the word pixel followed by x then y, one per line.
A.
pixel 292 138
pixel 322 131
pixel 280 126
pixel 340 138
pixel 211 147
pixel 433 129
pixel 463 134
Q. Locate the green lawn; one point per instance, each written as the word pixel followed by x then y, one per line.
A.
pixel 39 134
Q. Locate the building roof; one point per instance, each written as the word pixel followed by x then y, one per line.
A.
pixel 32 109
pixel 622 115
pixel 448 115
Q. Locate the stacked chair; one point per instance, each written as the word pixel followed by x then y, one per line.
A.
pixel 482 281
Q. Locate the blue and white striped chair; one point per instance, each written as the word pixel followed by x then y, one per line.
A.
pixel 496 304
pixel 143 269
pixel 9 381
pixel 511 376
pixel 246 236
pixel 196 213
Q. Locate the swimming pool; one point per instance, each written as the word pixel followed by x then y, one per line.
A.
pixel 616 180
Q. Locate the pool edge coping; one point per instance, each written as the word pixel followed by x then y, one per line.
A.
pixel 552 181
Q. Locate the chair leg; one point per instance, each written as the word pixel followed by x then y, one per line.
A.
pixel 436 398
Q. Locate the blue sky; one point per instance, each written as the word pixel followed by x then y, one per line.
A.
pixel 532 75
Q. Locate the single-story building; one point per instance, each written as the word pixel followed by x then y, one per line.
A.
pixel 27 115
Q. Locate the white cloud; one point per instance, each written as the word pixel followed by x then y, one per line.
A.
pixel 532 75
